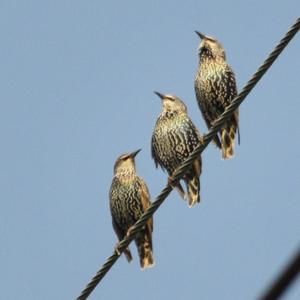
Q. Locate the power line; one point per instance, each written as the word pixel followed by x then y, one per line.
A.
pixel 180 171
pixel 286 277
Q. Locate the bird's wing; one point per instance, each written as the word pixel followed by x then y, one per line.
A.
pixel 206 117
pixel 194 134
pixel 145 199
pixel 202 108
pixel 153 150
pixel 230 87
pixel 231 92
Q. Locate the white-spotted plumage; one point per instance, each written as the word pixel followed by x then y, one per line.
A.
pixel 129 199
pixel 215 88
pixel 174 138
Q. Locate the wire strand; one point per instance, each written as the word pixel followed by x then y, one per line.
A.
pixel 181 170
pixel 286 277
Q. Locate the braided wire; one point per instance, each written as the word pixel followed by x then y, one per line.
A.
pixel 285 278
pixel 181 170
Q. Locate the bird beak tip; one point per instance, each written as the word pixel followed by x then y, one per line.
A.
pixel 201 35
pixel 134 153
pixel 160 95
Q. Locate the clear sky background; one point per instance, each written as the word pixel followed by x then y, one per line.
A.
pixel 77 82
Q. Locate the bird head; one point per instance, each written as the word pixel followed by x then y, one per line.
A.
pixel 210 47
pixel 171 103
pixel 126 163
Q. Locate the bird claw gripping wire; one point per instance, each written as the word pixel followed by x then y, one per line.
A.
pixel 175 185
pixel 128 234
pixel 117 249
pixel 129 231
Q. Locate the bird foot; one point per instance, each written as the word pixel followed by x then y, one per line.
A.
pixel 117 249
pixel 129 231
pixel 177 186
pixel 171 181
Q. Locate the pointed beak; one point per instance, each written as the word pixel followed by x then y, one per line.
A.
pixel 201 35
pixel 134 153
pixel 160 95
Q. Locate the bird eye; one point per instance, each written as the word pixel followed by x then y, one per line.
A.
pixel 171 98
pixel 211 39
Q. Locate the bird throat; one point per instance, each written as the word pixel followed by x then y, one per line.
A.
pixel 126 175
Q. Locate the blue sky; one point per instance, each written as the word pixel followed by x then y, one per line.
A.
pixel 77 91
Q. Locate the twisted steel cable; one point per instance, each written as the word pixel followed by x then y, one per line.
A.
pixel 286 277
pixel 180 171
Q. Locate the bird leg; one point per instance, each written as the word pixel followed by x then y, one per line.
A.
pixel 177 186
pixel 129 231
pixel 117 248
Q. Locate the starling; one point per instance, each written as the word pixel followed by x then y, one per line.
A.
pixel 215 88
pixel 174 138
pixel 129 198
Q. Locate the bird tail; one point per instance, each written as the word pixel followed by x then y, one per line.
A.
pixel 180 190
pixel 128 255
pixel 228 136
pixel 192 179
pixel 217 142
pixel 144 246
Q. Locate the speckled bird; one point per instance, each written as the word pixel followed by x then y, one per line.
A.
pixel 215 88
pixel 129 198
pixel 174 138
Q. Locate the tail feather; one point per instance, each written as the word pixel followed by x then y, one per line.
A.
pixel 193 191
pixel 144 246
pixel 180 190
pixel 227 145
pixel 128 255
pixel 228 135
pixel 192 179
pixel 147 261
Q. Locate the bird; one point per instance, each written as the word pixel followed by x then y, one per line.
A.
pixel 129 199
pixel 174 138
pixel 215 88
